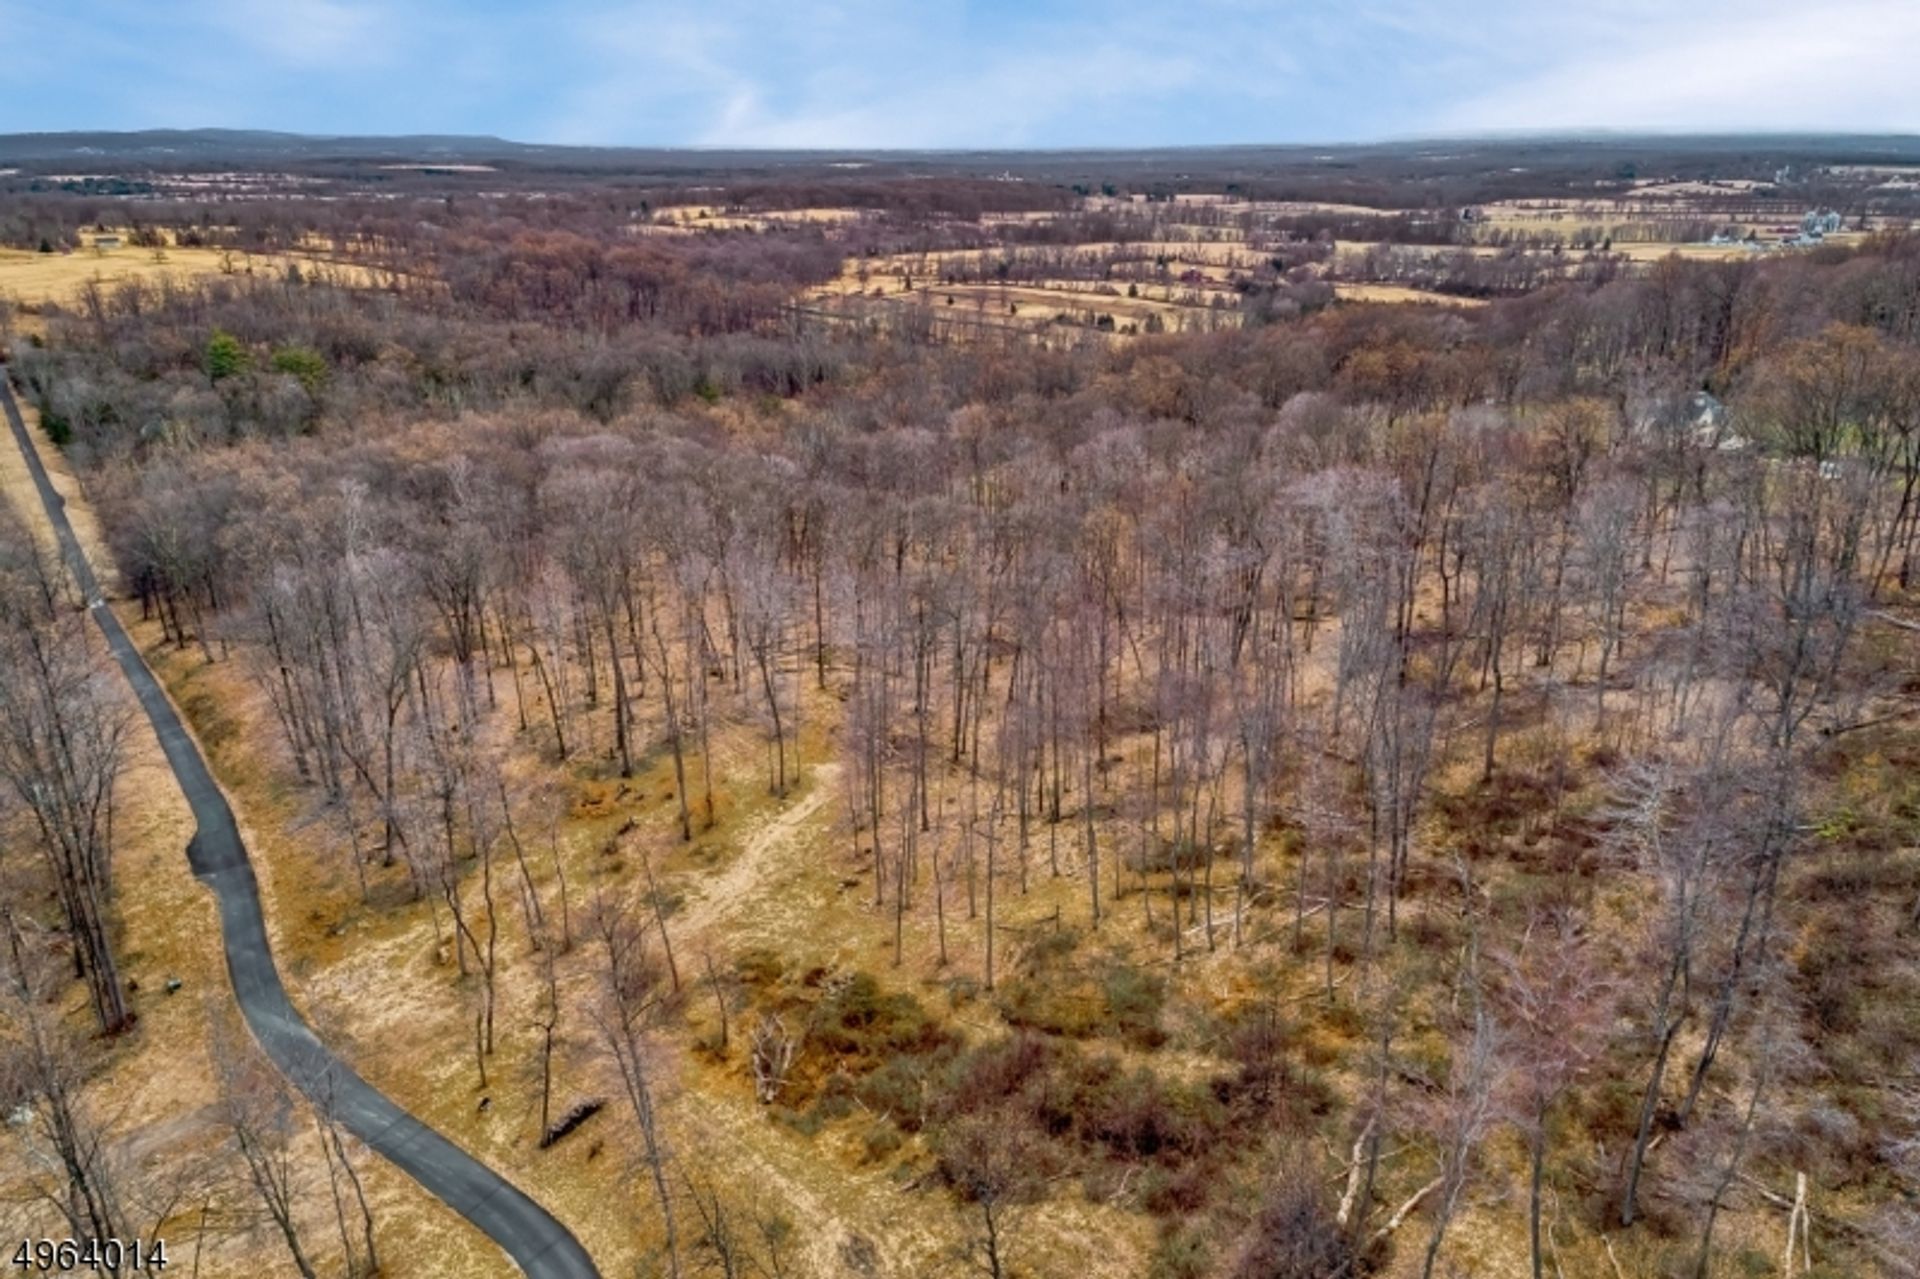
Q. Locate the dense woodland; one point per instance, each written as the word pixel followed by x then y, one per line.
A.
pixel 1479 743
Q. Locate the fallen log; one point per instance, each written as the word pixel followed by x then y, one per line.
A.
pixel 576 1115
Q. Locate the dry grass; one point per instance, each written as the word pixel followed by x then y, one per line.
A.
pixel 713 217
pixel 381 984
pixel 1400 293
pixel 33 280
pixel 782 876
pixel 16 482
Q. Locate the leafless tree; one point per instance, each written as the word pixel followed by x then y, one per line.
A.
pixel 257 1111
pixel 1553 998
pixel 630 996
pixel 43 1073
pixel 63 743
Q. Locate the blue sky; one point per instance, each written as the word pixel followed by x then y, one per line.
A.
pixel 961 73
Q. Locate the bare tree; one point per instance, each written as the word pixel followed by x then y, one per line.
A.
pixel 63 742
pixel 43 1073
pixel 257 1112
pixel 631 995
pixel 996 1164
pixel 1553 998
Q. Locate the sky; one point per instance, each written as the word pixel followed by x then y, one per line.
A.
pixel 961 73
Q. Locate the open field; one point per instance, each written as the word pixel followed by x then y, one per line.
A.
pixel 1398 293
pixel 32 280
pixel 713 217
pixel 1209 247
pixel 1120 289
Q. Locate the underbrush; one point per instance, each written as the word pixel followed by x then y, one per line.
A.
pixel 1054 993
pixel 1062 1085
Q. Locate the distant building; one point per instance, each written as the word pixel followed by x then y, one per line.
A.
pixel 1708 417
pixel 1819 223
pixel 1706 411
pixel 106 241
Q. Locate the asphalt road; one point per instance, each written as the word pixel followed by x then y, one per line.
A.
pixel 540 1245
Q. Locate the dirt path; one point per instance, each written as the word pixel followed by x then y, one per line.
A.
pixel 849 1222
pixel 724 896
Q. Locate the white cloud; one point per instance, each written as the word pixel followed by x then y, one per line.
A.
pixel 315 34
pixel 1003 101
pixel 1767 64
pixel 938 74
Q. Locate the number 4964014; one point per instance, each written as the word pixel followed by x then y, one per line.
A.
pixel 115 1256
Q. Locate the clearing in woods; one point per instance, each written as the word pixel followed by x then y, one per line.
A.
pixel 32 281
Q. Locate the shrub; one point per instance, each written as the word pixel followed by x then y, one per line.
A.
pixel 861 1020
pixel 1134 999
pixel 225 356
pixel 758 967
pixel 1295 1235
pixel 993 1072
pixel 1182 1254
pixel 1267 1078
pixel 1175 1191
pixel 1058 1008
pixel 307 366
pixel 1050 996
pixel 994 1158
pixel 1132 1114
pixel 881 1141
pixel 898 1090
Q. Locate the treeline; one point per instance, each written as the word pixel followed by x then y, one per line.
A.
pixel 915 198
pixel 707 285
pixel 1461 273
pixel 303 354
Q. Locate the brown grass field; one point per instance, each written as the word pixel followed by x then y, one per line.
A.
pixel 1399 293
pixel 31 281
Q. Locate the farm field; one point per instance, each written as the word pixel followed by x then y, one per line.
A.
pixel 30 281
pixel 1203 251
pixel 1401 294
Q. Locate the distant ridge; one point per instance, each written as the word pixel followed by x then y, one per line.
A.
pixel 175 150
pixel 170 145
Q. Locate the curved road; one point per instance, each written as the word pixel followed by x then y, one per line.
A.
pixel 540 1245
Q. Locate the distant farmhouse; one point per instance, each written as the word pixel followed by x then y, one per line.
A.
pixel 1709 418
pixel 1820 223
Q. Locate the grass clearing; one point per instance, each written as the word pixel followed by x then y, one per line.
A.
pixel 34 280
pixel 1401 294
